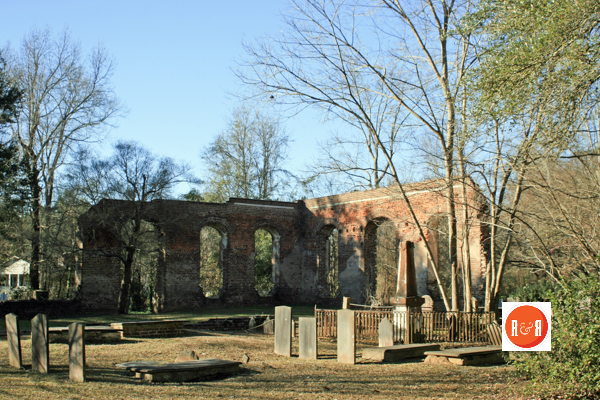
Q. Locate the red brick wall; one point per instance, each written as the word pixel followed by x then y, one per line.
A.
pixel 299 225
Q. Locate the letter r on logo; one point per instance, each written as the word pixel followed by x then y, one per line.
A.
pixel 514 327
pixel 538 327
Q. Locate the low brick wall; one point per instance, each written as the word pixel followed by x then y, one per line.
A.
pixel 229 324
pixel 150 329
pixel 94 334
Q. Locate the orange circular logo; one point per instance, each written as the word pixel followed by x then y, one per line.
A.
pixel 526 326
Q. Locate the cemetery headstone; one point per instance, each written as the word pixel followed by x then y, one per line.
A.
pixel 187 355
pixel 386 333
pixel 283 331
pixel 77 352
pixel 40 356
pixel 252 323
pixel 268 326
pixel 428 305
pixel 14 340
pixel 346 303
pixel 346 337
pixel 308 342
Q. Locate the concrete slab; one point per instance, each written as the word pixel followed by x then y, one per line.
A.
pixel 182 372
pixel 485 355
pixel 465 351
pixel 397 353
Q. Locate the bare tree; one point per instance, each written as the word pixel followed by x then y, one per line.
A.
pixel 352 158
pixel 246 159
pixel 67 100
pixel 337 54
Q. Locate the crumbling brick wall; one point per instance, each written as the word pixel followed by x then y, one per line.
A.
pixel 299 231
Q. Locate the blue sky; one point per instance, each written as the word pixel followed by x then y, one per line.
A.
pixel 173 64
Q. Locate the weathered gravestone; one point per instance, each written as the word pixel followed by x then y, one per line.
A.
pixel 252 323
pixel 40 357
pixel 308 342
pixel 77 352
pixel 346 337
pixel 14 341
pixel 283 331
pixel 386 333
pixel 428 305
pixel 187 355
pixel 346 303
pixel 268 326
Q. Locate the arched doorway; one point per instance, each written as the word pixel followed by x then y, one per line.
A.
pixel 381 261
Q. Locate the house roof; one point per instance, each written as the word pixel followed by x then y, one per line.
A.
pixel 18 267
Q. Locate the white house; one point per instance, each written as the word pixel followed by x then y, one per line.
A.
pixel 15 274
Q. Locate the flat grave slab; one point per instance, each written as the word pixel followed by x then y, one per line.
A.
pixel 485 355
pixel 397 353
pixel 182 371
pixel 93 334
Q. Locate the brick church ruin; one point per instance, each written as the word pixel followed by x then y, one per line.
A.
pixel 301 233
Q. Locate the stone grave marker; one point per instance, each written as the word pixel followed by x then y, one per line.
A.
pixel 346 303
pixel 283 331
pixel 268 326
pixel 40 357
pixel 13 338
pixel 386 333
pixel 252 323
pixel 346 337
pixel 77 352
pixel 187 355
pixel 308 342
pixel 428 305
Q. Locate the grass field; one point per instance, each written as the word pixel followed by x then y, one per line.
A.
pixel 266 376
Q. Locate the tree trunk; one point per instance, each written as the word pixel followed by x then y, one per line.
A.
pixel 451 209
pixel 125 298
pixel 466 248
pixel 36 242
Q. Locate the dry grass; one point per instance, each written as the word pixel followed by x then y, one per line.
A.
pixel 266 376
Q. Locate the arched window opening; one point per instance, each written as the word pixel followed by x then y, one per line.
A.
pixel 212 243
pixel 330 257
pixel 263 262
pixel 332 262
pixel 381 257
